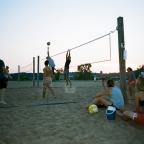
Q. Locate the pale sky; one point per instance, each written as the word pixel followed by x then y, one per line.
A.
pixel 27 25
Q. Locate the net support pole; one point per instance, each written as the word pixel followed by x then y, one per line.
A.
pixel 38 71
pixel 18 73
pixel 33 71
pixel 122 67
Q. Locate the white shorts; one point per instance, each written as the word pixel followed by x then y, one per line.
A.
pixel 47 81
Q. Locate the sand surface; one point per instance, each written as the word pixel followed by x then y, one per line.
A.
pixel 30 119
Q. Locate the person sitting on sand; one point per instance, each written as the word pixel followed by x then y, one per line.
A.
pixel 47 79
pixel 140 92
pixel 111 96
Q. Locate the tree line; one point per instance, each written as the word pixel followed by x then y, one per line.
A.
pixel 83 73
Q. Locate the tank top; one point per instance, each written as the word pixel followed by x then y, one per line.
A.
pixel 67 63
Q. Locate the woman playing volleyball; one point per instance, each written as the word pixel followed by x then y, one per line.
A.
pixel 66 68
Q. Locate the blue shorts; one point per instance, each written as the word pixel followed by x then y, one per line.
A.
pixel 66 72
pixel 114 106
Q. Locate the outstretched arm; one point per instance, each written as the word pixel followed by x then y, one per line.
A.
pixel 67 54
pixel 48 52
pixel 106 92
pixel 100 94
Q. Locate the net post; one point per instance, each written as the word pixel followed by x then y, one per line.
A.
pixel 38 71
pixel 122 67
pixel 33 71
pixel 18 73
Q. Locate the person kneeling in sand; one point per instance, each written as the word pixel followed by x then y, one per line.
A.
pixel 112 95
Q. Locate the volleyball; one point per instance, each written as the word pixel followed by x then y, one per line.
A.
pixel 92 108
pixel 48 43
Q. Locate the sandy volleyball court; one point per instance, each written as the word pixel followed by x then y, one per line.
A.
pixel 29 119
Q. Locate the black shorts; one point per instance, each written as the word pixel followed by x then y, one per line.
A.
pixel 3 83
pixel 141 103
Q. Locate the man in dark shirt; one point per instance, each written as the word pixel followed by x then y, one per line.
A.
pixel 3 82
pixel 2 63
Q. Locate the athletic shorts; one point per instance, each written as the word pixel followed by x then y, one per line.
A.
pixel 3 83
pixel 66 72
pixel 47 81
pixel 114 106
pixel 141 103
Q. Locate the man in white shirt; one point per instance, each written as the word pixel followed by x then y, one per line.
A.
pixel 51 61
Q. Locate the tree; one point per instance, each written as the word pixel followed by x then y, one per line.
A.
pixel 139 70
pixel 84 71
pixel 59 72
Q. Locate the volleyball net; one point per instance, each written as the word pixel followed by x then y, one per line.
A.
pixel 95 51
